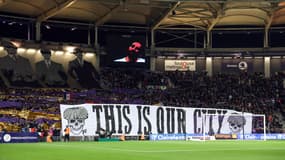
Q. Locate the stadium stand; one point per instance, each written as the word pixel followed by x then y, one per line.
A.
pixel 27 108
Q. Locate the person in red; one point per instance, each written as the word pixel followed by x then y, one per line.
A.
pixel 133 54
pixel 66 134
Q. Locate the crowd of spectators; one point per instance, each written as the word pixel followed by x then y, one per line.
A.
pixel 242 92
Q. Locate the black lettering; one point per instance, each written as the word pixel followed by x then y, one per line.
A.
pixel 219 111
pixel 146 111
pixel 211 111
pixel 126 110
pixel 197 113
pixel 221 118
pixel 211 130
pixel 160 120
pixel 139 119
pixel 170 120
pixel 109 117
pixel 97 109
pixel 204 111
pixel 120 130
pixel 181 120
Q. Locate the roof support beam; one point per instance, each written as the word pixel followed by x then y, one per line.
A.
pixel 165 15
pixel 188 23
pixel 214 22
pixel 198 13
pixel 209 32
pixel 271 16
pixel 269 22
pixel 183 37
pixel 219 14
pixel 107 16
pixel 52 12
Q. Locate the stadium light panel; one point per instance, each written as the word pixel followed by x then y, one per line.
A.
pixel 69 49
pixel 21 50
pixel 59 53
pixel 31 51
pixel 89 55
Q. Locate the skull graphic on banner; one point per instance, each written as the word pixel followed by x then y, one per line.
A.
pixel 76 119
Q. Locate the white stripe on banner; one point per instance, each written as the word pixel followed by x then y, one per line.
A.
pixel 131 119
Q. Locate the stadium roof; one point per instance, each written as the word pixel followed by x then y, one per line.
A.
pixel 202 14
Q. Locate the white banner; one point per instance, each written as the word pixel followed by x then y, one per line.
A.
pixel 180 65
pixel 132 119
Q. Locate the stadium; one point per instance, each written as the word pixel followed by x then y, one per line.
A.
pixel 142 79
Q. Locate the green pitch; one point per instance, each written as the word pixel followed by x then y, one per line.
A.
pixel 146 150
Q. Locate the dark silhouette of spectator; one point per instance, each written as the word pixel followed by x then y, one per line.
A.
pixel 133 54
pixel 50 73
pixel 83 72
pixel 16 69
